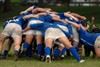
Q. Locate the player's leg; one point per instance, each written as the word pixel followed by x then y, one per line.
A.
pixel 7 45
pixel 5 33
pixel 97 46
pixel 50 36
pixel 2 39
pixel 63 50
pixel 68 45
pixel 17 37
pixel 48 47
pixel 17 43
pixel 28 41
pixel 40 48
pixel 27 45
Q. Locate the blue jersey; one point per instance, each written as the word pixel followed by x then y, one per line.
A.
pixel 18 20
pixel 30 19
pixel 61 25
pixel 41 26
pixel 62 16
pixel 86 37
pixel 46 18
pixel 48 22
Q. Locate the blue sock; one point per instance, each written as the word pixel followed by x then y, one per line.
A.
pixel 29 51
pixel 26 45
pixel 5 53
pixel 75 53
pixel 56 52
pixel 47 51
pixel 63 51
pixel 40 49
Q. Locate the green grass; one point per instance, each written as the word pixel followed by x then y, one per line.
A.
pixel 60 63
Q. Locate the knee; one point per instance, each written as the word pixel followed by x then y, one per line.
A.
pixel 1 39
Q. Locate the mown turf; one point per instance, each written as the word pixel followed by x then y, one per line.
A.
pixel 60 63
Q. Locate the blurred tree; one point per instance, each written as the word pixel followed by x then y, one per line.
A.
pixel 40 2
pixel 67 2
pixel 7 5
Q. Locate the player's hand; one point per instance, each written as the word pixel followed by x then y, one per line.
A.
pixel 67 21
pixel 23 12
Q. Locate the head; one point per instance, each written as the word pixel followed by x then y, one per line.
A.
pixel 84 24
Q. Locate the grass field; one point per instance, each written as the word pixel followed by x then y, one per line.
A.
pixel 60 63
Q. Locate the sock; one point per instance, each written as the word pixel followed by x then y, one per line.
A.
pixel 75 53
pixel 56 52
pixel 5 53
pixel 40 49
pixel 63 51
pixel 29 51
pixel 47 51
pixel 16 52
pixel 26 45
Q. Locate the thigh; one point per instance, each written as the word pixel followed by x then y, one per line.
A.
pixel 97 46
pixel 17 31
pixel 49 42
pixel 65 41
pixel 17 40
pixel 7 30
pixel 29 38
pixel 30 32
pixel 97 51
pixel 39 39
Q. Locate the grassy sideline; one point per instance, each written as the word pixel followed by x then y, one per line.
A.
pixel 63 63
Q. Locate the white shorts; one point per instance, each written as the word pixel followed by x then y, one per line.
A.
pixel 97 42
pixel 13 30
pixel 54 33
pixel 64 28
pixel 75 34
pixel 33 32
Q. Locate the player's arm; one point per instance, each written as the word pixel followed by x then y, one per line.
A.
pixel 30 16
pixel 26 29
pixel 73 23
pixel 93 22
pixel 42 13
pixel 57 18
pixel 69 15
pixel 27 10
pixel 38 10
pixel 79 16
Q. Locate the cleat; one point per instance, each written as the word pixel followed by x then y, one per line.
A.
pixel 48 59
pixel 42 58
pixel 62 56
pixel 81 61
pixel 16 55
